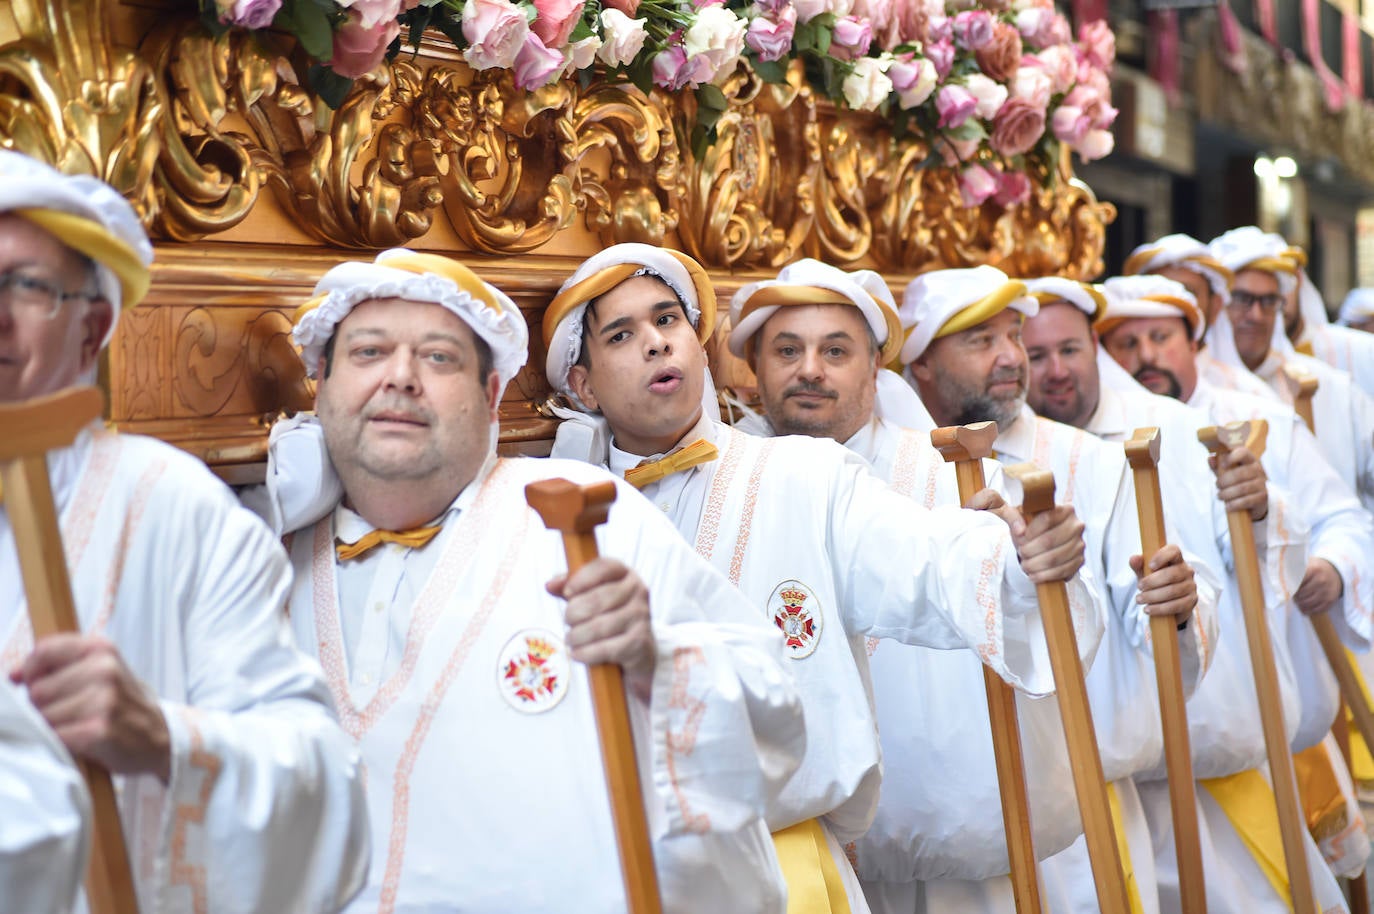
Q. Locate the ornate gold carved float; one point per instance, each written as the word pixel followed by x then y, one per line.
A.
pixel 252 188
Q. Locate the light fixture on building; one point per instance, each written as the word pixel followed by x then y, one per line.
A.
pixel 1285 167
pixel 1264 167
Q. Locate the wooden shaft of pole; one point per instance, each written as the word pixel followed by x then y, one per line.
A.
pixel 1071 690
pixel 1352 695
pixel 963 449
pixel 1142 451
pixel 574 511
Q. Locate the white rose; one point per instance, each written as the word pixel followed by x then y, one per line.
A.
pixel 810 9
pixel 988 93
pixel 1033 85
pixel 719 35
pixel 581 54
pixel 867 86
pixel 914 80
pixel 621 38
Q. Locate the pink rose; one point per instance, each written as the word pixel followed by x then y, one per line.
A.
pixel 1061 66
pixel 1069 124
pixel 1097 43
pixel 1095 144
pixel 1017 127
pixel 622 38
pixel 373 11
pixel 359 50
pixel 905 23
pixel 628 7
pixel 771 39
pixel 941 54
pixel 851 38
pixel 989 95
pixel 973 29
pixel 536 66
pixel 1033 85
pixel 495 30
pixel 956 152
pixel 1012 187
pixel 976 185
pixel 1043 28
pixel 913 79
pixel 1001 56
pixel 581 54
pixel 810 9
pixel 954 104
pixel 1093 104
pixel 673 69
pixel 250 14
pixel 940 28
pixel 555 21
pixel 877 13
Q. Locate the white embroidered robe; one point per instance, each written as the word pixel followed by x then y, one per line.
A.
pixel 264 808
pixel 484 776
pixel 1345 348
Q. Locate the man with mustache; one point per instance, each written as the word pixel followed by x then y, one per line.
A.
pixel 966 357
pixel 1072 379
pixel 819 545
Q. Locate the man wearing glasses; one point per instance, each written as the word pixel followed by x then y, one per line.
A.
pixel 1247 333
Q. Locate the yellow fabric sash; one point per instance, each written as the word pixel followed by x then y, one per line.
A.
pixel 414 538
pixel 651 471
pixel 1127 867
pixel 813 880
pixel 1361 761
pixel 1323 804
pixel 1248 801
pixel 1305 347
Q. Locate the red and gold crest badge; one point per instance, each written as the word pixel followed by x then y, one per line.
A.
pixel 532 673
pixel 797 613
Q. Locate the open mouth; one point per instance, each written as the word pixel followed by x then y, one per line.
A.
pixel 666 382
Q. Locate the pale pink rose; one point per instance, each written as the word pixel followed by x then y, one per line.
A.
pixel 850 38
pixel 555 21
pixel 1017 127
pixel 581 54
pixel 877 13
pixel 1091 101
pixel 673 69
pixel 373 11
pixel 976 185
pixel 906 23
pixel 1001 56
pixel 972 29
pixel 702 4
pixel 1096 144
pixel 810 9
pixel 1033 85
pixel 1097 43
pixel 913 79
pixel 495 30
pixel 1043 28
pixel 1013 187
pixel 359 50
pixel 536 65
pixel 771 39
pixel 941 54
pixel 1070 124
pixel 717 35
pixel 1060 64
pixel 250 14
pixel 628 7
pixel 867 86
pixel 989 95
pixel 954 104
pixel 963 150
pixel 940 28
pixel 622 38
pixel 772 7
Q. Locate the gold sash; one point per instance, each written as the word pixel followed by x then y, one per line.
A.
pixel 1127 867
pixel 1248 801
pixel 813 879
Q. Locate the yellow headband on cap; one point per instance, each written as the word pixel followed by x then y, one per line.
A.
pixel 1137 261
pixel 598 284
pixel 1280 264
pixel 984 308
pixel 92 239
pixel 785 295
pixel 1192 315
pixel 1298 256
pixel 1099 300
pixel 420 264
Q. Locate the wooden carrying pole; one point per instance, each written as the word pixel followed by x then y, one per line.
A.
pixel 576 511
pixel 28 430
pixel 1085 759
pixel 1142 452
pixel 1292 823
pixel 966 446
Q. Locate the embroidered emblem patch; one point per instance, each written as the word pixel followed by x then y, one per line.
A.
pixel 797 613
pixel 532 674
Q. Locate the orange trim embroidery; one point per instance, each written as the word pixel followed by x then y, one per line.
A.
pixel 991 620
pixel 682 743
pixel 904 464
pixel 751 500
pixel 133 515
pixel 709 527
pixel 182 873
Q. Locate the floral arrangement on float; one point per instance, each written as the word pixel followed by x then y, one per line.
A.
pixel 991 84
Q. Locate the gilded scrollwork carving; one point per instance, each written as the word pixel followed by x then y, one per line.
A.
pixel 852 146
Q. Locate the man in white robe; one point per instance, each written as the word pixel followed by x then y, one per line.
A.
pixel 819 544
pixel 1072 380
pixel 1310 330
pixel 238 792
pixel 45 814
pixel 965 353
pixel 1319 521
pixel 1357 311
pixel 435 600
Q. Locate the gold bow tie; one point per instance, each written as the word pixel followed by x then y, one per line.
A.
pixel 651 471
pixel 414 538
pixel 1305 347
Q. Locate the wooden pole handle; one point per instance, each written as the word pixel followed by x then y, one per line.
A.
pixel 1142 452
pixel 965 447
pixel 1302 387
pixel 576 511
pixel 1291 820
pixel 28 430
pixel 1085 759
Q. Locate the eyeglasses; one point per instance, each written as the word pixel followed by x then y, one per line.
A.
pixel 1244 301
pixel 33 297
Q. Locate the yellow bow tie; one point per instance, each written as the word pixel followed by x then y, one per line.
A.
pixel 1305 347
pixel 651 471
pixel 415 538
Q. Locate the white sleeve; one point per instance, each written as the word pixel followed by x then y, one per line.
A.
pixel 44 812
